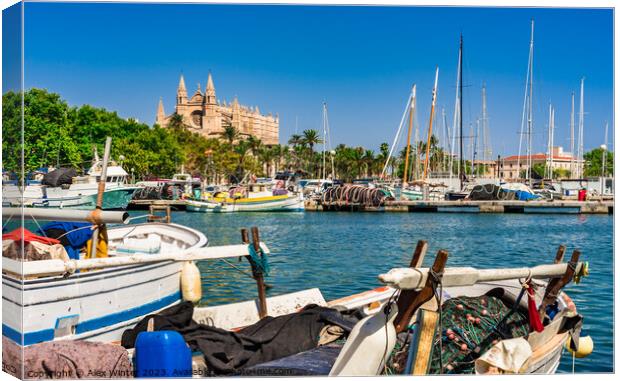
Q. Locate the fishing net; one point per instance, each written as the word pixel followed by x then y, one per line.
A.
pixel 469 327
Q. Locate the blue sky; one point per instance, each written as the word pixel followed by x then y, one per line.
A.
pixel 361 60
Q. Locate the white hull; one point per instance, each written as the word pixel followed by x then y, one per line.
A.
pixel 77 196
pixel 290 204
pixel 97 305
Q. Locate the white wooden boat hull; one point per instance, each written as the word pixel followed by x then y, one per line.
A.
pixel 97 305
pixel 290 204
pixel 547 346
pixel 78 196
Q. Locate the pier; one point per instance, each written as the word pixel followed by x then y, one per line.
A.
pixel 469 206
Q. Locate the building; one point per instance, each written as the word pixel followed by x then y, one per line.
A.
pixel 204 114
pixel 511 167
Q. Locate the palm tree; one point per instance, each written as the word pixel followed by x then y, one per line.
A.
pixel 176 121
pixel 311 137
pixel 230 133
pixel 255 144
pixel 295 140
pixel 369 160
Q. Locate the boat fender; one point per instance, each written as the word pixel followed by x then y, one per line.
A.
pixel 585 347
pixel 191 285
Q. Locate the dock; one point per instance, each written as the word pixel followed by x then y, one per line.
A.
pixel 469 206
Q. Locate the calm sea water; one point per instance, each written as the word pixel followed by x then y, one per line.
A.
pixel 342 253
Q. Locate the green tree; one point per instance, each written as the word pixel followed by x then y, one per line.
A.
pixel 594 163
pixel 230 133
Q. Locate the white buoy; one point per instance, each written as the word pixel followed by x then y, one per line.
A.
pixel 191 286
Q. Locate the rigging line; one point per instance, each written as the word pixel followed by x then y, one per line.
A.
pixel 396 138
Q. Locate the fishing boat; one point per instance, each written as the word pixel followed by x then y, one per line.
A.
pixel 75 192
pixel 403 306
pixel 383 312
pixel 54 299
pixel 253 198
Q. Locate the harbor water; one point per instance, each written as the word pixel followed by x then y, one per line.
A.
pixel 342 253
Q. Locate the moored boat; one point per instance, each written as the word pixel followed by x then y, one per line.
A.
pixel 96 305
pixel 73 192
pixel 240 199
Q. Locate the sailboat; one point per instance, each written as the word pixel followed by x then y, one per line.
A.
pixel 461 193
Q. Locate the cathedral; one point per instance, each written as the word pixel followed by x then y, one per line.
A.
pixel 204 114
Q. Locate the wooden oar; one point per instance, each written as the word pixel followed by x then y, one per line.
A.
pixel 52 267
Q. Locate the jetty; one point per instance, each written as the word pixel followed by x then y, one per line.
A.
pixel 470 206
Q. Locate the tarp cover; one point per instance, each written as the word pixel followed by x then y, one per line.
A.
pixel 226 352
pixel 59 177
pixel 486 192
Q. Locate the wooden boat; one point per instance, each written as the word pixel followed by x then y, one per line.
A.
pixel 80 194
pixel 372 341
pixel 96 305
pixel 239 199
pixel 354 357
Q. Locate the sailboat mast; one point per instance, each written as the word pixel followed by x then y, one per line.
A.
pixel 430 125
pixel 547 160
pixel 486 153
pixel 603 174
pixel 454 120
pixel 324 137
pixel 530 120
pixel 572 135
pixel 409 136
pixel 461 164
pixel 580 135
pixel 446 138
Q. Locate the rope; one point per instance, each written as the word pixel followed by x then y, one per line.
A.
pixel 259 259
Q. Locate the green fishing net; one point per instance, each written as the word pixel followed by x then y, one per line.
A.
pixel 469 327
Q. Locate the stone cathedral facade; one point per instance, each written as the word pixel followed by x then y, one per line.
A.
pixel 204 114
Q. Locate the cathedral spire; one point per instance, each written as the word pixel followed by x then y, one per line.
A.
pixel 210 91
pixel 161 115
pixel 181 91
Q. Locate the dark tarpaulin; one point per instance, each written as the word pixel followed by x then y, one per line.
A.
pixel 226 352
pixel 59 177
pixel 486 192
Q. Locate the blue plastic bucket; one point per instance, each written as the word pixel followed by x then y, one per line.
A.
pixel 162 354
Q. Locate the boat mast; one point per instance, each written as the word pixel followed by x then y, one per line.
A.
pixel 455 118
pixel 580 135
pixel 549 164
pixel 487 152
pixel 461 164
pixel 530 120
pixel 603 174
pixel 572 135
pixel 409 136
pixel 446 133
pixel 430 125
pixel 324 137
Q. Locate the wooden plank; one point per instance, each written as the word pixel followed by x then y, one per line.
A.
pixel 418 254
pixel 423 338
pixel 559 255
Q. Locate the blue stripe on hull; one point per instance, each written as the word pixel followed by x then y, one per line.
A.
pixel 93 324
